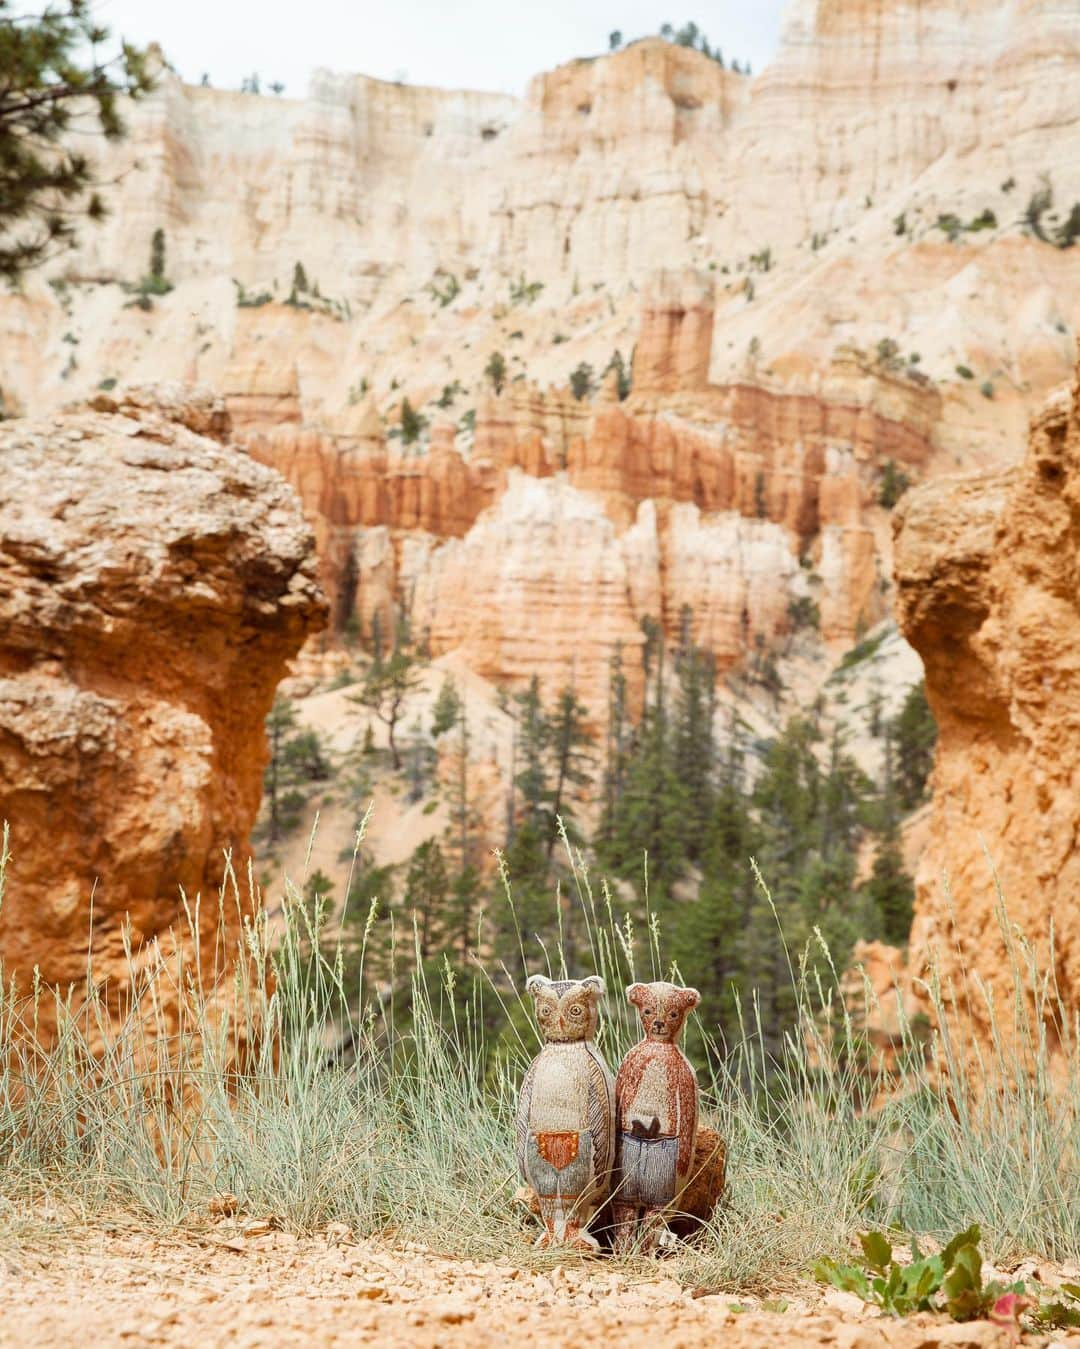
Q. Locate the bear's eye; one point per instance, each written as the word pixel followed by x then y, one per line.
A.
pixel 647 1011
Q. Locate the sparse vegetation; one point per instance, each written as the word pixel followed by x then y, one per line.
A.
pixel 411 425
pixel 247 300
pixel 892 485
pixel 804 612
pixel 582 381
pixel 525 292
pixel 623 374
pixel 444 288
pixel 495 371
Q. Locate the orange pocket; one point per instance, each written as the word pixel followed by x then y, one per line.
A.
pixel 558 1150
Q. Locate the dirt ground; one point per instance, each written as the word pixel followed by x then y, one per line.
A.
pixel 272 1289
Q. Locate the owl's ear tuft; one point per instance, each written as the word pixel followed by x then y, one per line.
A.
pixel 595 985
pixel 635 993
pixel 535 983
pixel 689 997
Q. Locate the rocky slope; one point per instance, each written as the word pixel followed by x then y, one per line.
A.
pixel 140 646
pixel 986 571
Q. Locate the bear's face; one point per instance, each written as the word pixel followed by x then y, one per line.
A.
pixel 663 1008
pixel 566 1009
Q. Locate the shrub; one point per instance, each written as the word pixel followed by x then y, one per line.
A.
pixel 951 224
pixel 446 292
pixel 987 389
pixel 581 381
pixel 1039 203
pixel 495 371
pixel 524 292
pixel 804 612
pixel 412 423
pixel 965 372
pixel 894 483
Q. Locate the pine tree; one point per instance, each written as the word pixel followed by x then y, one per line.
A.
pixel 54 88
pixel 617 741
pixel 533 736
pixel 890 890
pixel 694 744
pixel 426 897
pixel 388 683
pixel 279 723
pixel 495 370
pixel 581 381
pixel 651 815
pixel 412 423
pixel 297 759
pixel 447 709
pixel 709 930
pixel 570 741
pixel 915 733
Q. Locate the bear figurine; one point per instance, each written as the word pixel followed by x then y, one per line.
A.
pixel 566 1113
pixel 656 1102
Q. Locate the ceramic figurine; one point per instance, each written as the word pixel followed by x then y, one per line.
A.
pixel 656 1096
pixel 566 1113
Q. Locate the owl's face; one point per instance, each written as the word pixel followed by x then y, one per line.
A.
pixel 566 1009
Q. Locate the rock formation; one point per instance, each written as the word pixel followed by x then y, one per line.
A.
pixel 986 572
pixel 771 257
pixel 153 584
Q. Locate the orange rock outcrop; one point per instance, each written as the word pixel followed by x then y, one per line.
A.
pixel 153 585
pixel 986 573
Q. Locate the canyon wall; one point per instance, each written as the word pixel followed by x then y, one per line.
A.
pixel 987 571
pixel 543 546
pixel 140 647
pixel 766 255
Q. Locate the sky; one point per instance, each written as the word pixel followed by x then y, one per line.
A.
pixel 462 44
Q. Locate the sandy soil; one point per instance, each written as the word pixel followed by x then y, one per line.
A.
pixel 230 1289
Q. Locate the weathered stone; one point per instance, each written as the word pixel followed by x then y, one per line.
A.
pixel 986 570
pixel 153 584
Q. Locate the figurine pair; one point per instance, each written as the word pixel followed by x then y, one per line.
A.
pixel 583 1138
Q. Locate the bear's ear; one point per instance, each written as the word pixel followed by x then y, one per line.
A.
pixel 535 983
pixel 595 985
pixel 688 998
pixel 635 993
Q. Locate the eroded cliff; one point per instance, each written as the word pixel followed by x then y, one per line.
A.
pixel 153 585
pixel 987 585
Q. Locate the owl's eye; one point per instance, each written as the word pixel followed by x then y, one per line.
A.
pixel 577 1012
pixel 544 1013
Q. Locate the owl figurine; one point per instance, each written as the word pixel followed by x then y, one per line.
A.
pixel 656 1096
pixel 566 1112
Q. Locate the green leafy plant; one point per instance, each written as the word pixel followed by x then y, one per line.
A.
pixel 1061 1314
pixel 950 1282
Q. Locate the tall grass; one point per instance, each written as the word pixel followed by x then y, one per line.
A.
pixel 265 1080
